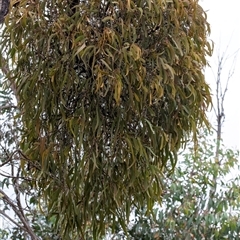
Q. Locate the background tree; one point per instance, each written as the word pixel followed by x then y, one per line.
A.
pixel 107 92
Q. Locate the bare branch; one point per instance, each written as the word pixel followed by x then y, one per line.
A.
pixel 230 74
pixel 219 110
pixel 220 90
pixel 11 220
pixel 10 158
pixel 17 192
pixel 18 212
pixel 7 107
pixel 13 177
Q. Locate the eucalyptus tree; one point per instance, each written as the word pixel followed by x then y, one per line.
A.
pixel 107 92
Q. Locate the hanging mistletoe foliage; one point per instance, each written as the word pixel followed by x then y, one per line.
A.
pixel 108 92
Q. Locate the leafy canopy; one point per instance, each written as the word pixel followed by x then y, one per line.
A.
pixel 108 92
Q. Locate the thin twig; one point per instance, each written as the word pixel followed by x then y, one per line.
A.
pixel 10 158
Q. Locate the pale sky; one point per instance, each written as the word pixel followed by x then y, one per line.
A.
pixel 224 18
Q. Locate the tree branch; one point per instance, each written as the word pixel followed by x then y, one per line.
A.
pixel 26 224
pixel 11 220
pixel 219 113
pixel 7 107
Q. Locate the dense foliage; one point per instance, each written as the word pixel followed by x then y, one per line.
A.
pixel 186 211
pixel 107 91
